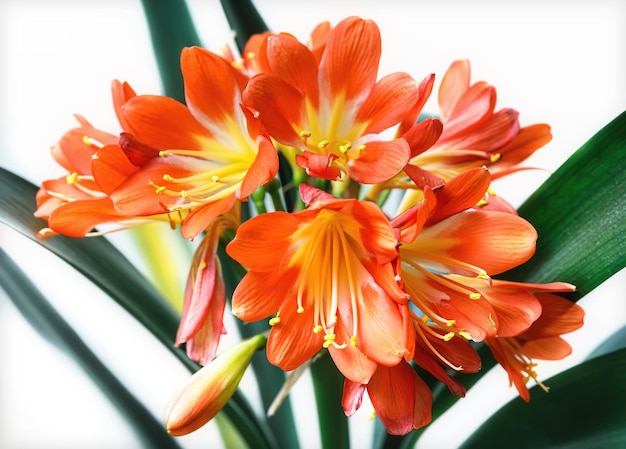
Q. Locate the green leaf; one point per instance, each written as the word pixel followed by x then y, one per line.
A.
pixel 171 29
pixel 107 268
pixel 616 341
pixel 328 387
pixel 54 329
pixel 580 216
pixel 585 408
pixel 244 20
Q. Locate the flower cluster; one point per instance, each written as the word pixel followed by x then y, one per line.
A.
pixel 385 235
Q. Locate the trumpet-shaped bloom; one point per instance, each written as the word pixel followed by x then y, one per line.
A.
pixel 76 203
pixel 201 323
pixel 194 160
pixel 541 341
pixel 210 388
pixel 449 253
pixel 327 275
pixel 331 107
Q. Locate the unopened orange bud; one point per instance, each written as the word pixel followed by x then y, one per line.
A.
pixel 210 388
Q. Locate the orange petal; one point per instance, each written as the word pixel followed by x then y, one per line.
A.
pixel 493 241
pixel 163 122
pixel 263 242
pixel 350 61
pixel 292 340
pixel 211 90
pixel 262 170
pixel 202 216
pixel 77 218
pixel 460 193
pixel 423 135
pixel 402 400
pixel 352 396
pixel 424 90
pixel 259 295
pixel 380 161
pixel 294 63
pixel 111 167
pixel 515 310
pixel 389 101
pixel 279 105
pixel 121 92
pixel 474 106
pixel 352 363
pixel 558 316
pixel 455 82
pixel 549 348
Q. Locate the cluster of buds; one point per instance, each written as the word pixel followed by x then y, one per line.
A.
pixel 384 237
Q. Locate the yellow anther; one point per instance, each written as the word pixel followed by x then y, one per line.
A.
pixel 215 178
pixel 300 310
pixel 250 55
pixel 448 336
pixel 183 194
pixel 329 337
pixel 481 203
pixel 353 341
pixel 317 329
pixel 490 191
pixel 274 321
pixel 163 153
pixel 167 178
pixel 482 275
pixel 495 157
pixel 304 134
pixel 372 416
pixel 323 144
pixel 86 140
pixel 202 266
pixel 466 335
pixel 425 319
pixel 474 296
pixel 451 323
pixel 361 147
pixel 159 190
pixel 345 148
pixel 71 178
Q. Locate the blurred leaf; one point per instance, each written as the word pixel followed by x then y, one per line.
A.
pixel 580 216
pixel 54 329
pixel 98 260
pixel 171 29
pixel 328 387
pixel 585 408
pixel 244 20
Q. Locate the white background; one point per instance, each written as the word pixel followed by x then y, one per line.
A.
pixel 557 62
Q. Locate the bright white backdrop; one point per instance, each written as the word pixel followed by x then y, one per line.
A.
pixel 557 62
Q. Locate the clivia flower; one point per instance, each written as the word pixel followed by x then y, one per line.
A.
pixel 194 160
pixel 334 110
pixel 326 273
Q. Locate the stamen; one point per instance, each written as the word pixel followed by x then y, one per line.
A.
pixel 323 144
pixel 492 321
pixel 495 157
pixel 300 310
pixel 274 321
pixel 475 296
pixel 344 148
pixel 71 178
pixel 449 336
pixel 361 147
pixel 482 275
pixel 466 335
pixel 353 341
pixel 202 266
pixel 92 142
pixel 164 153
pixel 451 323
pixel 167 178
pixel 183 194
pixel 328 340
pixel 425 319
pixel 317 329
pixel 305 134
pixel 482 202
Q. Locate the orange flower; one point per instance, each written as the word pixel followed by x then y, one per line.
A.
pixel 196 159
pixel 78 202
pixel 334 110
pixel 327 274
pixel 401 399
pixel 448 254
pixel 541 341
pixel 201 323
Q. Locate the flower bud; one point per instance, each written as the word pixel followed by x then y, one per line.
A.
pixel 210 388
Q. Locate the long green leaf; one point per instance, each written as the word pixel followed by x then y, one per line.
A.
pixel 47 321
pixel 171 29
pixel 328 387
pixel 585 408
pixel 244 20
pixel 580 216
pixel 109 269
